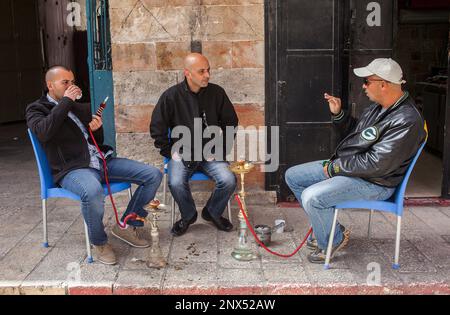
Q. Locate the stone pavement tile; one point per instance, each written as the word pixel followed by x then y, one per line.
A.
pixel 339 273
pixel 434 248
pixel 15 267
pixel 143 281
pixel 372 270
pixel 286 279
pixel 190 278
pixel 241 281
pixel 411 259
pixel 198 244
pixel 62 262
pixel 227 242
pixel 445 210
pixel 281 243
pixel 433 218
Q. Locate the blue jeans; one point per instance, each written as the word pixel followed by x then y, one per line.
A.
pixel 87 183
pixel 319 194
pixel 224 179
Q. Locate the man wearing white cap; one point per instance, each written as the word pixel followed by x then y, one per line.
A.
pixel 369 162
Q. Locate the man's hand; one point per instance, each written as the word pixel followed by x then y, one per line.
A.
pixel 72 92
pixel 334 103
pixel 95 123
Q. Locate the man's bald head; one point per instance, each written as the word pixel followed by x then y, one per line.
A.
pixel 54 71
pixel 196 71
pixel 193 59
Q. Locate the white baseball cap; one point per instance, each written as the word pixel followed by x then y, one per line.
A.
pixel 385 68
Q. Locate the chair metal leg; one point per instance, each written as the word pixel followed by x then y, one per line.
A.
pixel 130 193
pixel 88 244
pixel 44 222
pixel 370 221
pixel 172 211
pixel 164 188
pixel 396 265
pixel 330 241
pixel 229 211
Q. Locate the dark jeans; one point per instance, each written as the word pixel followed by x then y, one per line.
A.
pixel 179 176
pixel 87 183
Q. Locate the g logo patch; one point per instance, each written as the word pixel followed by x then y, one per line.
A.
pixel 370 134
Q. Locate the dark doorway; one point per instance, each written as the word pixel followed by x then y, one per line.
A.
pixel 21 62
pixel 421 47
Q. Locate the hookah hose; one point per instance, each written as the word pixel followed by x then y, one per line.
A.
pixel 261 243
pixel 133 215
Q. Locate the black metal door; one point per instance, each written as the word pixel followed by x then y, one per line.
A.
pixel 311 47
pixel 308 50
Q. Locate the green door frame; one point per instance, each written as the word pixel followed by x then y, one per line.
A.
pixel 100 64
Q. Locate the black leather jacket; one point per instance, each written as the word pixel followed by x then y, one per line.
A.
pixel 61 138
pixel 178 106
pixel 378 147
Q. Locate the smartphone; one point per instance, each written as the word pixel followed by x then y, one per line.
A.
pixel 102 107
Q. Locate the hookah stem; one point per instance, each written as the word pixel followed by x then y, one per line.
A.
pixel 130 216
pixel 261 243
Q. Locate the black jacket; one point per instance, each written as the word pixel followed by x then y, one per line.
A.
pixel 178 106
pixel 61 138
pixel 378 148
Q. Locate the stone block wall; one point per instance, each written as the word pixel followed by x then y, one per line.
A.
pixel 150 39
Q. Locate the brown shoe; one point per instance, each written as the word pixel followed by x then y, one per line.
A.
pixel 105 254
pixel 319 255
pixel 130 236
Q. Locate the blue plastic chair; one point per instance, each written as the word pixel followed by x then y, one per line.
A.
pixel 196 176
pixel 50 190
pixel 393 205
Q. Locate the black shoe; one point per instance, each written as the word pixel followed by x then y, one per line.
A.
pixel 221 223
pixel 180 227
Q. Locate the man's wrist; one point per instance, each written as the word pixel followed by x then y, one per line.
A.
pixel 338 116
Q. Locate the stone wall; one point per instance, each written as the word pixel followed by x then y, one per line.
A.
pixel 149 41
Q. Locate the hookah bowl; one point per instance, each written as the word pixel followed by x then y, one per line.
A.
pixel 242 250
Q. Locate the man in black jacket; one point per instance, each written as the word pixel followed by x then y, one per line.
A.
pixel 369 162
pixel 62 126
pixel 197 110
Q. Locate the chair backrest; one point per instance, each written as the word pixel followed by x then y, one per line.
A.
pixel 399 193
pixel 45 174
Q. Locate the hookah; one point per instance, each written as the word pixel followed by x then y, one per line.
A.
pixel 155 258
pixel 242 250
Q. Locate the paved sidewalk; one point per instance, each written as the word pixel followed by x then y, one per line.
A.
pixel 200 261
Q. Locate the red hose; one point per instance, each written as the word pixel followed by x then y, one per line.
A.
pixel 261 243
pixel 133 215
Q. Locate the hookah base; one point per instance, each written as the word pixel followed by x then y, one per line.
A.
pixel 156 263
pixel 243 254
